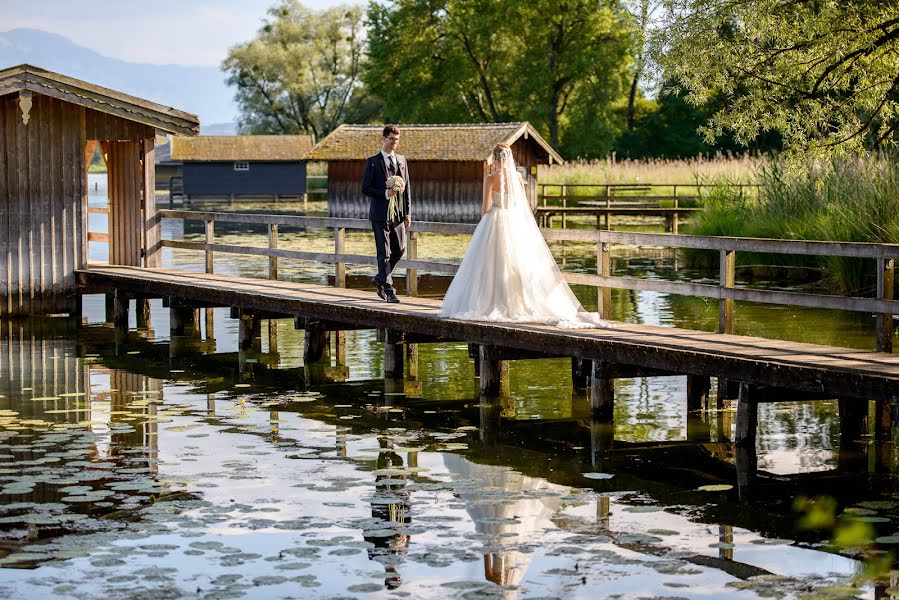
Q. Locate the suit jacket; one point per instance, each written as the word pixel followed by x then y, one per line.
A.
pixel 374 185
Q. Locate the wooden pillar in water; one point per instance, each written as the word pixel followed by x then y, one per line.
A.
pixel 747 416
pixel 393 354
pixel 853 418
pixel 412 360
pixel 698 388
pixel 249 331
pixel 493 370
pixel 602 391
pixel 316 341
pixel 273 335
pixel 474 353
pixel 120 303
pixel 727 279
pixel 142 313
pixel 580 373
pixel 109 305
pixel 182 318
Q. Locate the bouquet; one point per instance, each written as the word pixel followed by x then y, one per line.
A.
pixel 396 183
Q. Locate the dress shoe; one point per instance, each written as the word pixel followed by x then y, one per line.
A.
pixel 391 297
pixel 381 293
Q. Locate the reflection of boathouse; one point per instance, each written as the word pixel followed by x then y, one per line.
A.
pixel 50 126
pixel 447 164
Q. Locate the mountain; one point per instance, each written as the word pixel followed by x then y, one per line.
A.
pixel 198 90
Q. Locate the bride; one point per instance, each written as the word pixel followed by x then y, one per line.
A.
pixel 508 273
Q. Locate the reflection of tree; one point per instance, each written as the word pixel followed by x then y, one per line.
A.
pixel 508 509
pixel 391 507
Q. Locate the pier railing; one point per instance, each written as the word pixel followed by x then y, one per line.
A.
pixel 882 304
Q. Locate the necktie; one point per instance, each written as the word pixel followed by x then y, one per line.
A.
pixel 391 167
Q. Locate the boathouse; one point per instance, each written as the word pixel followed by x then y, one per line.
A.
pixel 50 125
pixel 232 166
pixel 447 164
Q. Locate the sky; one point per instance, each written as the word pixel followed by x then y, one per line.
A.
pixel 180 32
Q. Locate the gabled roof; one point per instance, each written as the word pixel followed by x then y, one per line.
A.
pixel 241 147
pixel 82 93
pixel 464 142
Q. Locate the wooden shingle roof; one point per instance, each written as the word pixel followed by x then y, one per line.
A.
pixel 463 143
pixel 209 148
pixel 82 93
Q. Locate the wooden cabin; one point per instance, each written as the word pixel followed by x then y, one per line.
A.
pixel 50 125
pixel 231 166
pixel 447 164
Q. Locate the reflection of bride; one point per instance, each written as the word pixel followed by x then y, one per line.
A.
pixel 508 273
pixel 508 509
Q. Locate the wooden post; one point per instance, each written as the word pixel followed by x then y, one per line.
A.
pixel 885 273
pixel 604 268
pixel 340 347
pixel 746 463
pixel 412 359
pixel 727 277
pixel 726 538
pixel 209 318
pixel 564 203
pixel 609 206
pixel 182 318
pixel 120 304
pixel 393 354
pixel 210 235
pixel 602 391
pixel 882 419
pixel 698 388
pixel 142 313
pixel 317 339
pixel 474 353
pixel 109 304
pixel 493 370
pixel 152 223
pixel 249 330
pixel 674 218
pixel 339 248
pixel 747 416
pixel 273 245
pixel 412 274
pixel 273 335
pixel 580 373
pixel 853 416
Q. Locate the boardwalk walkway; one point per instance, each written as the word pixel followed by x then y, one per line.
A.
pixel 624 350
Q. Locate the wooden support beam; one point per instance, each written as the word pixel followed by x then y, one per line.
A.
pixel 474 353
pixel 412 360
pixel 300 323
pixel 142 313
pixel 273 244
pixel 412 274
pixel 602 392
pixel 698 388
pixel 882 419
pixel 120 305
pixel 182 318
pixel 109 304
pixel 727 279
pixel 492 369
pixel 747 416
pixel 393 354
pixel 210 239
pixel 272 335
pixel 853 418
pixel 885 279
pixel 340 347
pixel 580 373
pixel 316 342
pixel 249 331
pixel 339 248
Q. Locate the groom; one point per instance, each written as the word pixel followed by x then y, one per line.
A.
pixel 389 226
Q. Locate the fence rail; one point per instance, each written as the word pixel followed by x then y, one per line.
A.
pixel 727 247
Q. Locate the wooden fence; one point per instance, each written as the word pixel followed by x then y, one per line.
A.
pixel 725 290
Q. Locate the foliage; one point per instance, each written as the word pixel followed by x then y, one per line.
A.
pixel 301 74
pixel 824 74
pixel 849 199
pixel 559 64
pixel 739 169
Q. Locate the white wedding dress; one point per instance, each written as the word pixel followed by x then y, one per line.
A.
pixel 508 273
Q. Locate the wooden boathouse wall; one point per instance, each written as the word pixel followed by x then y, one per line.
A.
pixel 43 198
pixel 50 126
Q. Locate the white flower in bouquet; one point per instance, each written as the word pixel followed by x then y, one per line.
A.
pixel 397 183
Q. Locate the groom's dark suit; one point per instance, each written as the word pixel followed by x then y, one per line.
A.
pixel 390 232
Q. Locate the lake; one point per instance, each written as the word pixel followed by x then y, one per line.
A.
pixel 137 466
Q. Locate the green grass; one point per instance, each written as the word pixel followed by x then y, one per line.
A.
pixel 845 199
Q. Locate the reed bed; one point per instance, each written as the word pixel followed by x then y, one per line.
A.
pixel 849 199
pixel 736 169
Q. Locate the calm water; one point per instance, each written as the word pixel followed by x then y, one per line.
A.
pixel 139 466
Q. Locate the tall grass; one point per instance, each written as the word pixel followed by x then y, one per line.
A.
pixel 657 171
pixel 844 199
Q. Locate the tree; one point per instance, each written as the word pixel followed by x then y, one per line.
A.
pixel 822 73
pixel 470 60
pixel 301 74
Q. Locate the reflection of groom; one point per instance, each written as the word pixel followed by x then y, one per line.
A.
pixel 389 219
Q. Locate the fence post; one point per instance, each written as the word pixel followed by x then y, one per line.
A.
pixel 339 248
pixel 564 204
pixel 727 277
pixel 885 273
pixel 210 234
pixel 609 206
pixel 411 273
pixel 674 215
pixel 604 268
pixel 273 244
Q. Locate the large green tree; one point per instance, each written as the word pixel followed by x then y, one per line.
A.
pixel 301 73
pixel 824 74
pixel 552 62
